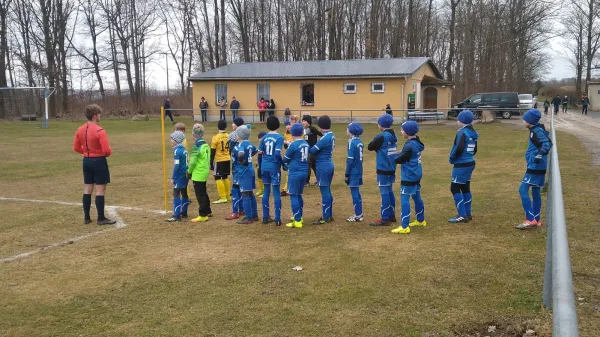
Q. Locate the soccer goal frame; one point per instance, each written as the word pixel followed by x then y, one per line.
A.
pixel 48 91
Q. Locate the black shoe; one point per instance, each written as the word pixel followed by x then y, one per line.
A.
pixel 322 221
pixel 267 221
pixel 184 215
pixel 87 221
pixel 174 219
pixel 470 217
pixel 106 221
pixel 277 223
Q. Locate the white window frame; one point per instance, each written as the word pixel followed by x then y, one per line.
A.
pixel 347 91
pixel 373 84
pixel 266 93
pixel 302 93
pixel 217 97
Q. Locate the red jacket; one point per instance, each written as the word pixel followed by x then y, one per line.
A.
pixel 262 106
pixel 91 141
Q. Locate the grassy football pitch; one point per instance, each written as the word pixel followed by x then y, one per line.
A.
pixel 222 279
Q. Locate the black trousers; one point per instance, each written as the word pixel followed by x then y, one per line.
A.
pixel 262 115
pixel 204 115
pixel 312 164
pixel 584 109
pixel 202 198
pixel 169 114
pixel 222 115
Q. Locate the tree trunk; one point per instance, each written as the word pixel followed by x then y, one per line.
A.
pixel 223 45
pixel 453 6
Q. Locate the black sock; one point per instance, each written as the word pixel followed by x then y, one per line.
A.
pixel 87 203
pixel 100 206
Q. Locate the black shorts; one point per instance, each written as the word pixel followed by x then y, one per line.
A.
pixel 95 171
pixel 222 169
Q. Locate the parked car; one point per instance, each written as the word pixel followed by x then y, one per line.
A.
pixel 508 102
pixel 527 101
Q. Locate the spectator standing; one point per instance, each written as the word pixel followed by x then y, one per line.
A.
pixel 235 106
pixel 287 113
pixel 262 109
pixel 168 112
pixel 388 110
pixel 556 102
pixel 546 106
pixel 565 104
pixel 584 105
pixel 203 109
pixel 271 108
pixel 91 141
pixel 222 105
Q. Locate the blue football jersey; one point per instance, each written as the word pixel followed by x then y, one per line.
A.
pixel 323 150
pixel 296 157
pixel 271 145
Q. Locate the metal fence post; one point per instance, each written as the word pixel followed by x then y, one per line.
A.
pixel 547 292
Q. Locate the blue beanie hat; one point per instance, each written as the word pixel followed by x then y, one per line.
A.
pixel 532 116
pixel 297 130
pixel 355 129
pixel 410 127
pixel 385 121
pixel 466 117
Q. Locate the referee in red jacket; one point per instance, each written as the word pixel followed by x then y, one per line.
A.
pixel 91 141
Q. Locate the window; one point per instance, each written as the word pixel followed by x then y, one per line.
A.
pixel 220 91
pixel 263 91
pixel 377 87
pixel 474 99
pixel 349 88
pixel 307 93
pixel 491 98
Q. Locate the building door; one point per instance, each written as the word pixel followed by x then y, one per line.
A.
pixel 430 98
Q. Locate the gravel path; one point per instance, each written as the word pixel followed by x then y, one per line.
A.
pixel 586 128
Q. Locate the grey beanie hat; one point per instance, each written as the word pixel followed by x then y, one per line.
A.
pixel 178 137
pixel 243 132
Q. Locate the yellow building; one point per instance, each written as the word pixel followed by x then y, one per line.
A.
pixel 333 87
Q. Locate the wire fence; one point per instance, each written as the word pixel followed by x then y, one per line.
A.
pixel 558 281
pixel 345 115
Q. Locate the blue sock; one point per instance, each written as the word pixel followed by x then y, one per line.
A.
pixel 254 206
pixel 296 208
pixel 419 206
pixel 301 201
pixel 326 201
pixel 236 202
pixel 468 202
pixel 185 202
pixel 524 192
pixel 356 201
pixel 277 201
pixel 176 207
pixel 405 202
pixel 265 201
pixel 247 200
pixel 536 193
pixel 388 202
pixel 459 202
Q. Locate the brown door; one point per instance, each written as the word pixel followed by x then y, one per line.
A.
pixel 430 98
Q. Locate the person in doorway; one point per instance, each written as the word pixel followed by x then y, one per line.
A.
pixel 91 141
pixel 203 109
pixel 556 102
pixel 585 101
pixel 388 110
pixel 271 108
pixel 222 105
pixel 546 106
pixel 565 104
pixel 262 109
pixel 167 107
pixel 235 106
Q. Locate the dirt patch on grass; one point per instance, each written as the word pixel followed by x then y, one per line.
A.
pixel 503 329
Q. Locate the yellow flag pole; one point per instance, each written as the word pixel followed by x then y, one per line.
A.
pixel 164 155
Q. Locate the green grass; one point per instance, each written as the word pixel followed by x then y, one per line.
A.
pixel 223 279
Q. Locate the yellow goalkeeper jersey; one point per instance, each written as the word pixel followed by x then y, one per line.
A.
pixel 220 143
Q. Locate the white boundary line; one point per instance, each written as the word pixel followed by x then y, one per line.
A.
pixel 110 210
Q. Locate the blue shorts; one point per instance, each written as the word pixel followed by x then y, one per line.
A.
pixel 235 178
pixel 296 184
pixel 324 175
pixel 271 178
pixel 181 183
pixel 462 175
pixel 537 180
pixel 385 180
pixel 355 181
pixel 247 184
pixel 410 190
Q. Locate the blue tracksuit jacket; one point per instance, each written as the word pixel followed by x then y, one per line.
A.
pixel 180 166
pixel 410 158
pixel 464 147
pixel 539 145
pixel 385 145
pixel 323 150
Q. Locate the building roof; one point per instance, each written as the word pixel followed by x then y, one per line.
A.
pixel 365 68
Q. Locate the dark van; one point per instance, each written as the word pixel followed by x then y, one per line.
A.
pixel 506 102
